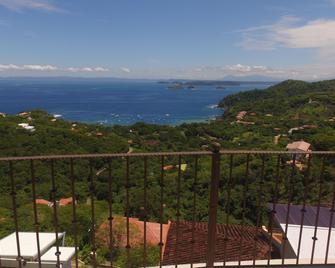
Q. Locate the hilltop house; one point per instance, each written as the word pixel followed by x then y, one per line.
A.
pixel 65 201
pixel 26 126
pixel 241 115
pixel 43 202
pixel 299 146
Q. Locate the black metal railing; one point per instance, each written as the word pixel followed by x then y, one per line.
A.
pixel 223 189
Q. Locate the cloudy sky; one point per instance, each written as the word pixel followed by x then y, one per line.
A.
pixel 196 39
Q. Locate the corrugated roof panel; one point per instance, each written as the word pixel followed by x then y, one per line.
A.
pixel 310 214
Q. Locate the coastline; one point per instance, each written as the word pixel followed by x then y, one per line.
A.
pixel 117 103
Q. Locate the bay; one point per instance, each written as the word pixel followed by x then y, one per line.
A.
pixel 122 102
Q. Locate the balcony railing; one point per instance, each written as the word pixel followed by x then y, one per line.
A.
pixel 228 196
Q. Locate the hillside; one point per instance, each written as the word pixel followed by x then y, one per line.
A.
pixel 289 94
pixel 273 111
pixel 307 109
pixel 291 110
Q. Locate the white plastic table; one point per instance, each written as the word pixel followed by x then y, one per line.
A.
pixel 28 245
pixel 64 258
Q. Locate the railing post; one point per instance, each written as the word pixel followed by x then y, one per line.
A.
pixel 213 205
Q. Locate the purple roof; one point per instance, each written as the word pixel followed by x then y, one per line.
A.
pixel 310 214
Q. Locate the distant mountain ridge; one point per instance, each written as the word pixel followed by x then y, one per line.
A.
pixel 252 78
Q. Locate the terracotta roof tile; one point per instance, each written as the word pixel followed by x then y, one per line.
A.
pixel 250 236
pixel 136 232
pixel 42 202
pixel 298 145
pixel 65 201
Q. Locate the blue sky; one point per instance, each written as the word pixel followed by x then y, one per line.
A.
pixel 196 39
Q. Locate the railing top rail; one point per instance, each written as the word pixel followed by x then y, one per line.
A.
pixel 158 154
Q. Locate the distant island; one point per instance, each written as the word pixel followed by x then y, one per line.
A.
pixel 220 84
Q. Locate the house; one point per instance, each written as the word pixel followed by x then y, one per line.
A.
pixel 241 115
pixel 183 167
pixel 228 243
pixel 299 146
pixel 43 202
pixel 168 167
pixel 297 163
pixel 312 226
pixel 302 128
pixel 276 139
pixel 136 232
pixel 24 114
pixel 245 122
pixel 26 126
pixel 65 201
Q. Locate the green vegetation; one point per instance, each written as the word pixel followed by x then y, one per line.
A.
pixel 309 108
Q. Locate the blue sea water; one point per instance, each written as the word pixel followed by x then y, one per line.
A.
pixel 115 101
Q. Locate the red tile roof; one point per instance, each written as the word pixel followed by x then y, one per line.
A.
pixel 42 202
pixel 298 145
pixel 136 232
pixel 183 253
pixel 153 230
pixel 65 201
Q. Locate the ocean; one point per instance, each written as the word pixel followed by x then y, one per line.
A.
pixel 121 102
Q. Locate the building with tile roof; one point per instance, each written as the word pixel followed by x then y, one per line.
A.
pixel 65 201
pixel 234 242
pixel 298 146
pixel 136 232
pixel 43 202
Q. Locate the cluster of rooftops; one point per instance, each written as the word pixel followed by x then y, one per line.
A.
pixel 186 242
pixel 61 202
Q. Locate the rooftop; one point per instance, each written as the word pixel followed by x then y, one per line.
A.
pixel 228 243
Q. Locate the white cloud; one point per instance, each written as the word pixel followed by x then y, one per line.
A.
pixel 125 70
pixel 100 69
pixel 291 32
pixel 314 34
pixel 8 67
pixel 39 67
pixel 306 72
pixel 28 67
pixel 19 5
pixel 245 68
pixel 49 68
pixel 87 69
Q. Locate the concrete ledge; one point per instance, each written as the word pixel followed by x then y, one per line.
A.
pixel 261 263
